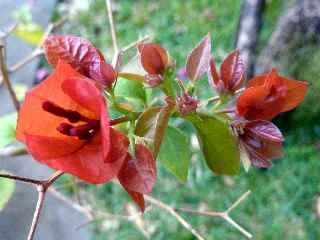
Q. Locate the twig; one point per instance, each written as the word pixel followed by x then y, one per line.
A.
pixel 135 44
pixel 7 32
pixel 226 110
pixel 38 50
pixel 173 212
pixel 112 26
pixel 13 151
pixel 42 187
pixel 36 215
pixel 35 53
pixel 239 200
pixel 217 98
pixel 119 120
pixel 5 74
pixel 117 51
pixel 225 214
pixel 21 179
pixel 85 210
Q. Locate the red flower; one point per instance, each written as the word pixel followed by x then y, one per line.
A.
pixel 270 94
pixel 262 141
pixel 64 123
pixel 231 73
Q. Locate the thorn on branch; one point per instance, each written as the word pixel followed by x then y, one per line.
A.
pixel 174 213
pixel 42 187
pixel 224 215
pixel 5 74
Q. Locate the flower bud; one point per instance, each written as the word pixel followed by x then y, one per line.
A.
pixel 186 103
pixel 153 80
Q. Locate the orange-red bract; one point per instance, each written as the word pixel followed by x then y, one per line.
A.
pixel 263 142
pixel 270 94
pixel 80 146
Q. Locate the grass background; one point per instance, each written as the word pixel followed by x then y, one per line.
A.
pixel 283 200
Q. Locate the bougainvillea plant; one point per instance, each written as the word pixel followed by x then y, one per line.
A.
pixel 65 120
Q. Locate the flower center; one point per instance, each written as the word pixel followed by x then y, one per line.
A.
pixel 83 131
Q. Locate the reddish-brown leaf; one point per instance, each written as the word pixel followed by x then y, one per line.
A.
pixel 76 51
pixel 213 74
pixel 199 59
pixel 137 198
pixel 232 71
pixel 154 58
pixel 138 173
pixel 153 123
pixel 103 73
pixel 146 123
pixel 263 142
pixel 266 130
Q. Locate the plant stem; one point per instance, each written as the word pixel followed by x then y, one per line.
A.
pixel 21 179
pixel 117 53
pixel 173 212
pixel 42 187
pixel 5 75
pixel 36 215
pixel 225 214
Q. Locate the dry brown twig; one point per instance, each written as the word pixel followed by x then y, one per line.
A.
pixel 5 74
pixel 224 215
pixel 118 52
pixel 173 212
pixel 42 187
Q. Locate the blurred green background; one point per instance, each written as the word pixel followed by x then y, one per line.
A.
pixel 283 200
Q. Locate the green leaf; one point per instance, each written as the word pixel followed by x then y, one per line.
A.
pixel 153 123
pixel 131 90
pixel 132 76
pixel 7 129
pixel 146 123
pixel 7 188
pixel 218 145
pixel 175 153
pixel 30 32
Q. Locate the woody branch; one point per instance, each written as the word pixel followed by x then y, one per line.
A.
pixel 42 187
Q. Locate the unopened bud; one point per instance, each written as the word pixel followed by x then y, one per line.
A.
pixel 186 103
pixel 153 80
